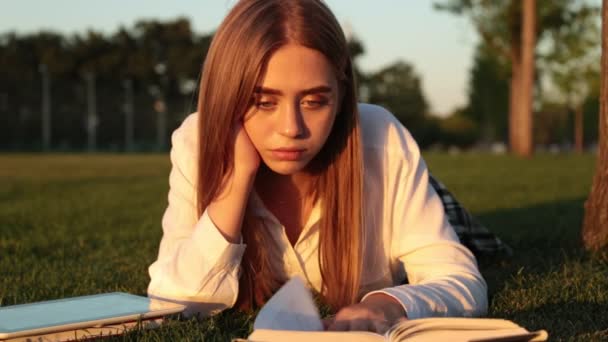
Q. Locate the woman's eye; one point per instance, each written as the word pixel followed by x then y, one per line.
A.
pixel 314 103
pixel 265 104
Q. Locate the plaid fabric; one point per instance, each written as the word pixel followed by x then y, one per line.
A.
pixel 471 232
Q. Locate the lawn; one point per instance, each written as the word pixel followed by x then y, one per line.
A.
pixel 77 224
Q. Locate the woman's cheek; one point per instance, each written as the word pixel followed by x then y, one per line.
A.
pixel 254 129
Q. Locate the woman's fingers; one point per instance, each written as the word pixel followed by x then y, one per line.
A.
pixel 246 157
pixel 372 315
pixel 361 325
pixel 381 326
pixel 372 325
pixel 327 322
pixel 339 325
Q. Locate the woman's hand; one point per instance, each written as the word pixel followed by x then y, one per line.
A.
pixel 228 208
pixel 376 313
pixel 246 157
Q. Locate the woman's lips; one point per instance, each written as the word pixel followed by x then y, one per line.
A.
pixel 287 154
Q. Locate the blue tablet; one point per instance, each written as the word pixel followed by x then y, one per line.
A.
pixel 80 312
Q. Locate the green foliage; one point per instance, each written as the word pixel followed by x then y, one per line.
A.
pixel 133 54
pixel 397 87
pixel 83 224
pixel 488 95
pixel 567 55
pixel 554 124
pixel 572 60
pixel 356 50
pixel 429 132
pixel 459 130
pixel 130 53
pixel 499 22
pixel 591 110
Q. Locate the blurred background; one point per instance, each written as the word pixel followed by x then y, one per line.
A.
pixel 121 76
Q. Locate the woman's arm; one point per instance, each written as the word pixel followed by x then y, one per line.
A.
pixel 443 276
pixel 228 208
pixel 199 258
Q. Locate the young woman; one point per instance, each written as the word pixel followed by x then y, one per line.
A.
pixel 280 173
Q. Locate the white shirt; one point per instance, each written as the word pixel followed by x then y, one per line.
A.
pixel 406 227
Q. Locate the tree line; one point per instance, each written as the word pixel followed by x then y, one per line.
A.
pixel 128 90
pixel 93 80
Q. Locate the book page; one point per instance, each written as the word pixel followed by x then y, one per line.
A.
pixel 315 336
pixel 411 327
pixel 501 335
pixel 508 335
pixel 462 329
pixel 291 308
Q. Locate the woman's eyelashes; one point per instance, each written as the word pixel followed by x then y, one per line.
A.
pixel 266 105
pixel 315 103
pixel 262 102
pixel 310 104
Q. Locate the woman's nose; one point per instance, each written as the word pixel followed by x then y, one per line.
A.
pixel 290 123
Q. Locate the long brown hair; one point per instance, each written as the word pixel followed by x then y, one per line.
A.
pixel 244 42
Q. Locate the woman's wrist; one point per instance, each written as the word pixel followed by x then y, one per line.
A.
pixel 392 308
pixel 244 179
pixel 228 208
pixel 239 183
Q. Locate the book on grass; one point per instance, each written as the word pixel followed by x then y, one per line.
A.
pixel 82 317
pixel 291 315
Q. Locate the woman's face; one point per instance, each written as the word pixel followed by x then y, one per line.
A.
pixel 293 108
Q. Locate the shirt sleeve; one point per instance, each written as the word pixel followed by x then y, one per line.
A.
pixel 443 276
pixel 196 265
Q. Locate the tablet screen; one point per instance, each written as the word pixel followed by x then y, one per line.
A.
pixel 78 309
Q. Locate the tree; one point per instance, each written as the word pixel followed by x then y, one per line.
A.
pixel 522 118
pixel 127 57
pixel 595 225
pixel 458 130
pixel 573 69
pixel 397 87
pixel 488 96
pixel 356 50
pixel 500 25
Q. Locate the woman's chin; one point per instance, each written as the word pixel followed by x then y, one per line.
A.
pixel 285 168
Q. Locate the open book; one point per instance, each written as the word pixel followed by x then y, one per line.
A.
pixel 291 315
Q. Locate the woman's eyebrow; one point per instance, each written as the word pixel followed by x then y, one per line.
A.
pixel 314 90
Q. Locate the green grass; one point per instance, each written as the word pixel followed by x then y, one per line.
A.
pixel 75 224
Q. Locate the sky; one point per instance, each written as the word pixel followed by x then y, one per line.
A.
pixel 439 45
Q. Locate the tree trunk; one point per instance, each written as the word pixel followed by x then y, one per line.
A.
pixel 595 225
pixel 528 39
pixel 578 128
pixel 515 88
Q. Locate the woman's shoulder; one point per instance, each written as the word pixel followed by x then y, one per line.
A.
pixel 371 112
pixel 184 143
pixel 187 130
pixel 381 130
pixel 189 123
